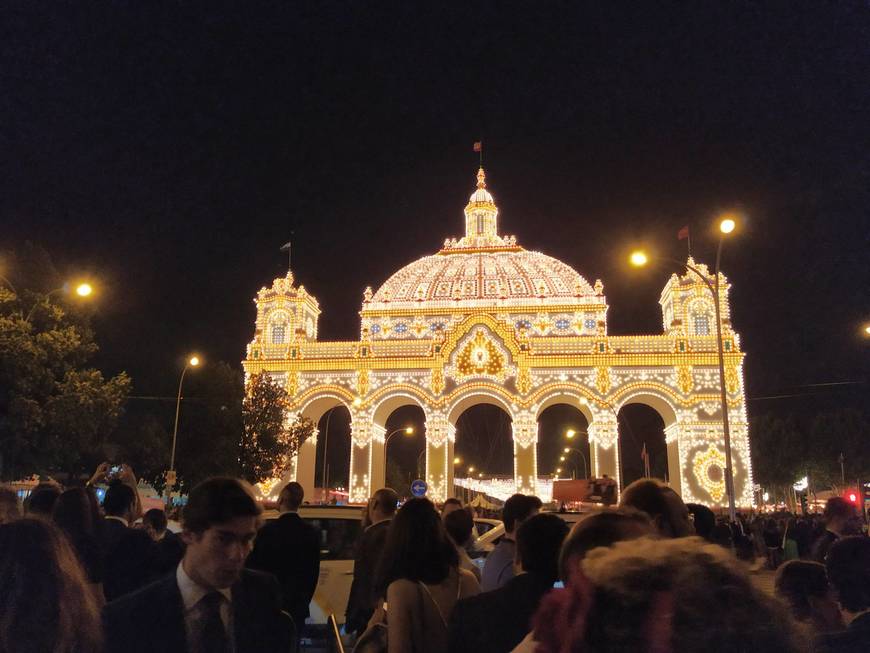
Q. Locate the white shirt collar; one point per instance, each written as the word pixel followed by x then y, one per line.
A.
pixel 120 519
pixel 191 591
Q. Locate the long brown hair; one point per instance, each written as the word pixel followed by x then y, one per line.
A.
pixel 45 603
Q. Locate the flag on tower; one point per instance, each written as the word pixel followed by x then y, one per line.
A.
pixel 478 146
pixel 683 233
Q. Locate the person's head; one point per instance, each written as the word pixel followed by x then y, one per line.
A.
pixel 838 515
pixel 120 500
pixel 73 513
pixel 10 505
pixel 45 602
pixel 291 497
pixel 154 521
pixel 539 540
pixel 678 595
pixel 383 504
pixel 220 522
pixel 40 503
pixel 803 586
pixel 517 509
pixel 451 504
pixel 661 503
pixel 704 520
pixel 459 524
pixel 848 566
pixel 417 547
pixel 604 528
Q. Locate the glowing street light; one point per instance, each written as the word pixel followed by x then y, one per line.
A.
pixel 570 433
pixel 638 258
pixel 471 470
pixel 407 430
pixel 562 459
pixel 727 225
pixel 867 330
pixel 84 290
pixel 193 361
pixel 457 460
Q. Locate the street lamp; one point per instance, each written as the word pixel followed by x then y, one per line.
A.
pixel 457 460
pixel 193 361
pixel 638 259
pixel 570 433
pixel 82 290
pixel 470 470
pixel 568 450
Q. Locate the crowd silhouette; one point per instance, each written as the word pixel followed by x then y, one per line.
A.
pixel 650 574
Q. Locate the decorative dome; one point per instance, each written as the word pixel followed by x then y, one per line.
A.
pixel 485 278
pixel 483 268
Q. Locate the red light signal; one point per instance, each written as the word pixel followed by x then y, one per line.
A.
pixel 853 498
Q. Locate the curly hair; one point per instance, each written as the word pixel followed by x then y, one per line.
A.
pixel 676 595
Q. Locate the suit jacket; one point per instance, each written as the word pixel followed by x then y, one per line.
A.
pixel 362 599
pixel 129 559
pixel 497 621
pixel 152 619
pixel 290 549
pixel 855 639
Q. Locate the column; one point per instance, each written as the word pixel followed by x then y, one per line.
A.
pixel 525 435
pixel 440 436
pixel 361 446
pixel 604 446
pixel 675 469
pixel 304 464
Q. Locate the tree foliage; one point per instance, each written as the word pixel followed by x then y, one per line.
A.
pixel 268 443
pixel 55 412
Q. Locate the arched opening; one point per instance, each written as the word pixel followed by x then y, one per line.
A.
pixel 563 443
pixel 483 454
pixel 404 452
pixel 332 470
pixel 642 433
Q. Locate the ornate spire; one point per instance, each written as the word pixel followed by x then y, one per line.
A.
pixel 481 178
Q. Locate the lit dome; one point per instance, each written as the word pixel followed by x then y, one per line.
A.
pixel 483 269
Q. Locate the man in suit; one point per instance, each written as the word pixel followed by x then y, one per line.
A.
pixel 129 555
pixel 848 566
pixel 289 548
pixel 211 604
pixel 170 548
pixel 499 566
pixel 362 599
pixel 499 620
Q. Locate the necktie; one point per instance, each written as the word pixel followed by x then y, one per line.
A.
pixel 212 633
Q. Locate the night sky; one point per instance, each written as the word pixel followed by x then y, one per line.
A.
pixel 170 149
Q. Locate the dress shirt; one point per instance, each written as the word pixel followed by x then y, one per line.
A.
pixel 191 595
pixel 120 519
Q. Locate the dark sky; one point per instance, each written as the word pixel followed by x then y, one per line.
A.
pixel 170 148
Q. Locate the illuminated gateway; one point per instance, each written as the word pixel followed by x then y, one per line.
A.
pixel 485 321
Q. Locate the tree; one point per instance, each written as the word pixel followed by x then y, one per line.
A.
pixel 268 444
pixel 55 412
pixel 842 431
pixel 777 449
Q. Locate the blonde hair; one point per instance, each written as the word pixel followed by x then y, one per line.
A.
pixel 682 593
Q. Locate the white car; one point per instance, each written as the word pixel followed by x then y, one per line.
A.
pixel 340 528
pixel 489 532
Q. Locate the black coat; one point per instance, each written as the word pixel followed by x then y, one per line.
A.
pixel 152 619
pixel 363 597
pixel 290 549
pixel 129 559
pixel 855 639
pixel 498 620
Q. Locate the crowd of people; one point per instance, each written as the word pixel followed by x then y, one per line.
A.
pixel 651 574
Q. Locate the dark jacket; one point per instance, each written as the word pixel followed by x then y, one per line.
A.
pixel 497 621
pixel 290 549
pixel 152 619
pixel 855 639
pixel 363 598
pixel 822 545
pixel 170 551
pixel 129 559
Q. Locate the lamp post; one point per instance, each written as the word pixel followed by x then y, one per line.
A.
pixel 639 259
pixel 407 430
pixel 193 361
pixel 83 290
pixel 323 476
pixel 569 450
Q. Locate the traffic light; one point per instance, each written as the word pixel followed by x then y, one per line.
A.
pixel 852 497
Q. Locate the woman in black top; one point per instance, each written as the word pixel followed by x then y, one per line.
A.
pixel 77 514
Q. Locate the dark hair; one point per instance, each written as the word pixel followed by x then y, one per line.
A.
pixel 74 514
pixel 291 495
pixel 42 498
pixel 797 581
pixel 45 602
pixel 459 524
pixel 604 528
pixel 417 547
pixel 216 501
pixel 119 499
pixel 705 520
pixel 517 508
pixel 156 519
pixel 848 565
pixel 453 501
pixel 539 540
pixel 838 508
pixel 386 499
pixel 10 506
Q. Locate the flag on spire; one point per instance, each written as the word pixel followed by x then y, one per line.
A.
pixel 683 233
pixel 478 146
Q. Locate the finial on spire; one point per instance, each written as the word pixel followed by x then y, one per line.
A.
pixel 481 178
